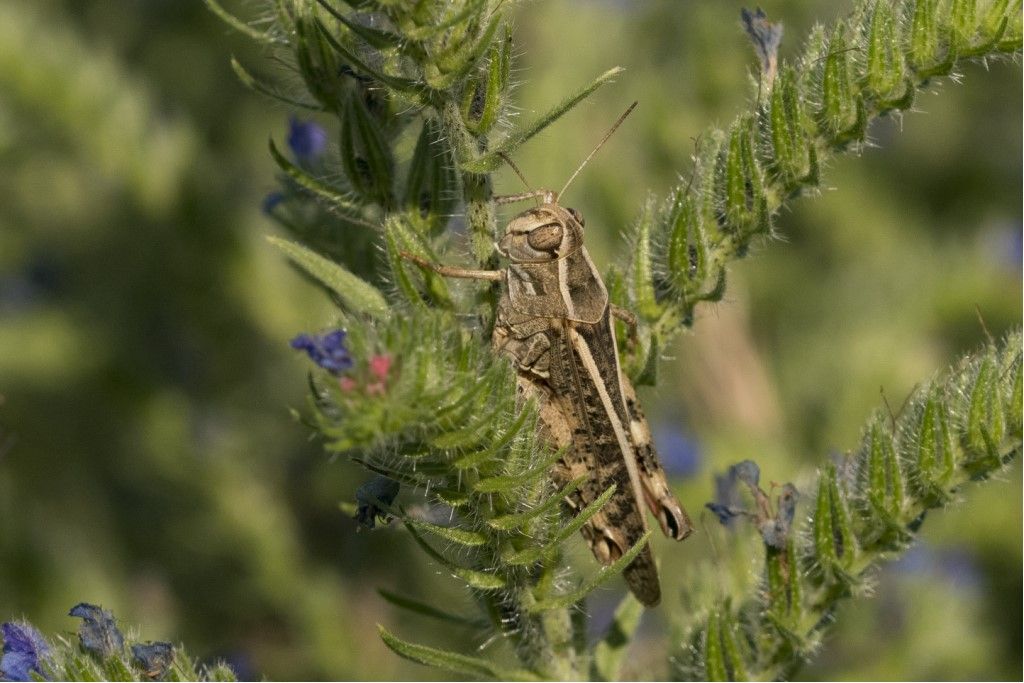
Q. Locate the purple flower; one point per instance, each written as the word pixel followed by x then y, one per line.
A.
pixel 24 650
pixel 271 201
pixel 326 350
pixel 766 36
pixel 747 471
pixel 307 139
pixel 726 505
pixel 680 453
pixel 98 632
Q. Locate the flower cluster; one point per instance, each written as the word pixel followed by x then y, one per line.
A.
pixel 25 651
pixel 27 656
pixel 329 351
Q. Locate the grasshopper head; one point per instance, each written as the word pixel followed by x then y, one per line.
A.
pixel 547 233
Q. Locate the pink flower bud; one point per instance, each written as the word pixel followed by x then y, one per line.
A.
pixel 379 366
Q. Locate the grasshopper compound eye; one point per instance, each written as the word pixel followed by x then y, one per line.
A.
pixel 546 237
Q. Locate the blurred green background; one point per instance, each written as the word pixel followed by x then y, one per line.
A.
pixel 148 461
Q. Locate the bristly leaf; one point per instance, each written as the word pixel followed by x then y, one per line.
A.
pixel 242 27
pixel 493 160
pixel 787 617
pixel 477 579
pixel 452 661
pixel 357 295
pixel 423 609
pixel 251 82
pixel 606 573
pixel 332 196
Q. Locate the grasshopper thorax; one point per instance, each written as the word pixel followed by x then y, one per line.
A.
pixel 549 232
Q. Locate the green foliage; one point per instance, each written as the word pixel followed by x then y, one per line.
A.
pixel 950 432
pixel 816 108
pixel 63 658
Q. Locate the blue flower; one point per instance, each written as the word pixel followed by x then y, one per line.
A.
pixel 680 454
pixel 307 139
pixel 271 201
pixel 326 350
pixel 98 632
pixel 24 650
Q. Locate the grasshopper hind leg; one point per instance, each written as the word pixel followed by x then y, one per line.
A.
pixel 671 515
pixel 604 530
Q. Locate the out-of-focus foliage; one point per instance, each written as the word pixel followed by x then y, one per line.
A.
pixel 100 652
pixel 964 426
pixel 147 460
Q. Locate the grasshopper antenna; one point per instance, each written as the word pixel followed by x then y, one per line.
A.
pixel 599 146
pixel 530 192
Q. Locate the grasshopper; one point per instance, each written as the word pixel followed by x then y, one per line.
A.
pixel 554 321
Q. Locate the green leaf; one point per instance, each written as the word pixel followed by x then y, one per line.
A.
pixel 927 441
pixel 513 521
pixel 366 153
pixel 240 26
pixel 843 525
pixel 714 655
pixel 976 416
pixel 250 81
pixel 471 434
pixel 610 652
pixel 683 267
pixel 963 24
pixel 455 64
pixel 398 238
pixel 510 481
pixel 884 61
pixel 476 579
pixel 895 472
pixel 336 199
pixel 431 187
pixel 994 23
pixel 642 273
pixel 382 40
pixel 733 656
pixel 876 469
pixel 837 94
pixel 527 556
pixel 585 514
pixel 423 609
pixel 452 661
pixel 434 28
pixel 407 86
pixel 824 537
pixel 609 572
pixel 463 537
pixel 356 294
pixel 472 460
pixel 493 160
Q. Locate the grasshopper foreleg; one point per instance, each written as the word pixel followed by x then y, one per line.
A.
pixel 451 271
